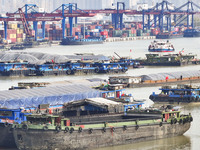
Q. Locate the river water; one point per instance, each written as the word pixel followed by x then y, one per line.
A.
pixel 189 141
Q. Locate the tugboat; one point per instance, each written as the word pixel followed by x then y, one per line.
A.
pixel 191 33
pixel 161 46
pixel 74 41
pixel 83 127
pixel 179 94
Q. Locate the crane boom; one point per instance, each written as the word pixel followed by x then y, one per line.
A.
pixel 24 22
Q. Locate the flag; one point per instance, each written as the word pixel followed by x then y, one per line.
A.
pixel 52 61
pixel 130 50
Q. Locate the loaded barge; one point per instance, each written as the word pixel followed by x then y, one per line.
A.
pixel 169 60
pixel 83 131
pixel 159 79
pixel 179 94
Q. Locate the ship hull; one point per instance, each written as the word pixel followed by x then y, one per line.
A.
pixel 167 99
pixel 66 42
pixel 6 138
pixel 169 36
pixel 16 73
pixel 192 34
pixel 51 139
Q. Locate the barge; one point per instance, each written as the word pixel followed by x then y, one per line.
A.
pixel 169 60
pixel 191 33
pixel 168 35
pixel 179 94
pixel 84 131
pixel 159 79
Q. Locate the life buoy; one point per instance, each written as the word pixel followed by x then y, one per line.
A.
pixel 25 127
pixel 136 127
pixel 71 130
pixel 175 121
pixel 73 71
pixel 90 130
pixel 180 121
pixel 45 128
pixel 197 99
pixel 191 119
pixel 151 97
pixel 108 70
pixel 184 120
pixel 96 70
pixel 58 128
pixel 104 129
pixel 80 129
pixel 6 124
pixel 112 129
pixel 66 129
pixel 68 72
pixel 14 126
pixel 38 111
pixel 125 127
pixel 123 69
pixel 57 110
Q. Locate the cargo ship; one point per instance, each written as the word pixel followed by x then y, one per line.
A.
pixel 168 35
pixel 100 127
pixel 161 46
pixel 74 41
pixel 191 33
pixel 179 94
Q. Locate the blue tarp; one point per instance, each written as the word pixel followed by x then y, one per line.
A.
pixel 54 95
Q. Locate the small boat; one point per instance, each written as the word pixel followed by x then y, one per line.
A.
pixel 161 46
pixel 179 94
pixel 191 33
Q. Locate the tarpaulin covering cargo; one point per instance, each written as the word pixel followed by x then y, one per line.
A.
pixel 52 95
pixel 41 58
pixel 171 75
pixel 88 57
pixel 33 58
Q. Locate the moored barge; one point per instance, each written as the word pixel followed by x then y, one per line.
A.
pixel 178 59
pixel 89 132
pixel 179 94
